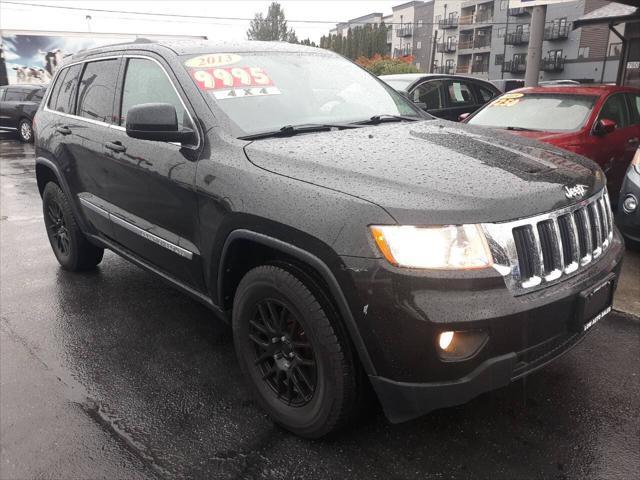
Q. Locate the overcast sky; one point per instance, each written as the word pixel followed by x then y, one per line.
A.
pixel 27 17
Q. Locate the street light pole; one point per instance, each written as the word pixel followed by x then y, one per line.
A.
pixel 534 52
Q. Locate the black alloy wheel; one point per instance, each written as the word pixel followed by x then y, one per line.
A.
pixel 57 229
pixel 284 355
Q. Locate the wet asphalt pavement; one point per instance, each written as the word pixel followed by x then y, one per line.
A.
pixel 114 374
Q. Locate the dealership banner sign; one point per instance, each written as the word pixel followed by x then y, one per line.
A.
pixel 534 3
pixel 35 58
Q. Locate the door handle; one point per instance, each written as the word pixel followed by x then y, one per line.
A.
pixel 115 146
pixel 64 130
pixel 633 140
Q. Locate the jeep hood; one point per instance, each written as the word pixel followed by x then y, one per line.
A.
pixel 433 172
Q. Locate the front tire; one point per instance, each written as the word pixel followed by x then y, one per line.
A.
pixel 72 249
pixel 292 350
pixel 25 131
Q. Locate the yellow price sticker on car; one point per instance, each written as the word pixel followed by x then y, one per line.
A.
pixel 508 100
pixel 213 60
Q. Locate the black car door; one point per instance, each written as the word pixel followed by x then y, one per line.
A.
pixel 13 98
pixel 3 122
pixel 151 182
pixel 459 98
pixel 429 96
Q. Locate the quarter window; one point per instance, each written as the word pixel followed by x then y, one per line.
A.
pixel 485 94
pixel 634 101
pixel 146 82
pixel 2 90
pixel 615 108
pixel 96 92
pixel 65 96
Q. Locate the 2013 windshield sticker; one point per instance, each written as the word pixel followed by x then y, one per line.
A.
pixel 213 60
pixel 234 82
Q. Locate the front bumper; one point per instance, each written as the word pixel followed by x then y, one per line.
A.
pixel 404 313
pixel 629 223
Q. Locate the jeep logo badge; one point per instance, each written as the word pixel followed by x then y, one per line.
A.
pixel 577 191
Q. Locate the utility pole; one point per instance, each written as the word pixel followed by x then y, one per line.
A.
pixel 534 53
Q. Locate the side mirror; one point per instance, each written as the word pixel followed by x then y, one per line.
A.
pixel 156 121
pixel 604 126
pixel 463 116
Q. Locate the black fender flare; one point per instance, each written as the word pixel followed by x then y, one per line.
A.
pixel 62 182
pixel 314 262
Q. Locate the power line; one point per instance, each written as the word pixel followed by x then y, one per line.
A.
pixel 208 17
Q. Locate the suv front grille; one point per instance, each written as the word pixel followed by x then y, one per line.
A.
pixel 537 251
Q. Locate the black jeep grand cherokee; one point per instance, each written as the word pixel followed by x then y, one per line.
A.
pixel 350 239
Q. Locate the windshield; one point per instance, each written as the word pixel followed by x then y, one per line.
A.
pixel 265 91
pixel 550 112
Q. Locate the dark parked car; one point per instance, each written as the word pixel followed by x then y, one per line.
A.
pixel 601 122
pixel 18 105
pixel 628 216
pixel 350 243
pixel 444 96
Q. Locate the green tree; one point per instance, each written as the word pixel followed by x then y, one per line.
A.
pixel 273 27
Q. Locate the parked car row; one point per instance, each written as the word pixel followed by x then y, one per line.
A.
pixel 18 105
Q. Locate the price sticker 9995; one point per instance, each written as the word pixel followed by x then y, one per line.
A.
pixel 230 78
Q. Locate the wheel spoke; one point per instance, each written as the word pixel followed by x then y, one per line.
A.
pixel 258 341
pixel 262 358
pixel 306 362
pixel 289 391
pixel 305 345
pixel 273 315
pixel 296 384
pixel 284 313
pixel 258 327
pixel 264 316
pixel 304 378
pixel 270 373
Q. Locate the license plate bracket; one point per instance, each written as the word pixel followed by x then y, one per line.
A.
pixel 593 304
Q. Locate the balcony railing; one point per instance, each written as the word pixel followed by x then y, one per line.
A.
pixel 405 31
pixel 482 41
pixel 480 67
pixel 448 23
pixel 514 66
pixel 484 17
pixel 465 43
pixel 447 69
pixel 552 64
pixel 463 68
pixel 516 38
pixel 466 19
pixel 446 47
pixel 517 12
pixel 556 32
pixel 401 52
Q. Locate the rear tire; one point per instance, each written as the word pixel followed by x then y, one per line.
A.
pixel 72 249
pixel 25 131
pixel 297 359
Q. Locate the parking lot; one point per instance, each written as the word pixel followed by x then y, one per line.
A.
pixel 113 374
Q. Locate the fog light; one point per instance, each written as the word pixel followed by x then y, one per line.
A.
pixel 461 345
pixel 630 204
pixel 445 340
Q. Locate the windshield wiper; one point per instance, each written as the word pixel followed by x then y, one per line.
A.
pixel 289 130
pixel 521 129
pixel 376 119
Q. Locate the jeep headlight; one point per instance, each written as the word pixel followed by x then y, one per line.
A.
pixel 447 247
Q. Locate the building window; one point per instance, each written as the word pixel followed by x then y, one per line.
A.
pixel 499 60
pixel 615 49
pixel 501 32
pixel 504 4
pixel 583 52
pixel 418 45
pixel 419 23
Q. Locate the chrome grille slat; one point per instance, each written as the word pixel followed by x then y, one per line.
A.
pixel 551 246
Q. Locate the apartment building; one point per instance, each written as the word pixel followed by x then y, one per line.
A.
pixel 445 23
pixel 494 38
pixel 343 28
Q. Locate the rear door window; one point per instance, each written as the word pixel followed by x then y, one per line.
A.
pixel 55 90
pixel 459 94
pixel 146 82
pixel 97 89
pixel 15 95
